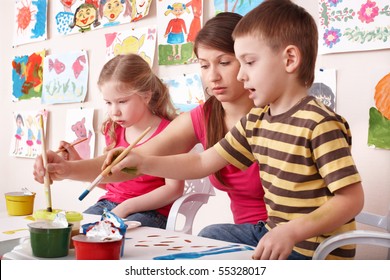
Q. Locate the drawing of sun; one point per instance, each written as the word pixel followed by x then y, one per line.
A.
pixel 25 15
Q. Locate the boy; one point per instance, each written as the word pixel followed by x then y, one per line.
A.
pixel 312 187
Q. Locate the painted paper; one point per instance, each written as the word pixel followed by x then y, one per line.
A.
pixel 30 21
pixel 186 91
pixel 358 25
pixel 79 125
pixel 140 9
pixel 80 16
pixel 27 138
pixel 27 71
pixel 324 87
pixel 379 123
pixel 66 77
pixel 179 23
pixel 141 41
pixel 241 7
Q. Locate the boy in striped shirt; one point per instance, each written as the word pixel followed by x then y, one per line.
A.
pixel 312 187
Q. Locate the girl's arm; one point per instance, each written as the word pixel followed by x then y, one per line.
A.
pixel 155 199
pixel 343 207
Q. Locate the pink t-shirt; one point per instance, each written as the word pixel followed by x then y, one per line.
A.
pixel 121 191
pixel 243 187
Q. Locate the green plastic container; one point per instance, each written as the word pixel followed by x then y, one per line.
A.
pixel 72 217
pixel 49 242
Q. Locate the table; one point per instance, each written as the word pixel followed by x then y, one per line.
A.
pixel 146 243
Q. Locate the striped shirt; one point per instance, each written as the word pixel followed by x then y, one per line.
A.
pixel 304 156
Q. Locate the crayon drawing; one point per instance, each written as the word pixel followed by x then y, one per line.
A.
pixel 79 125
pixel 180 23
pixel 241 7
pixel 186 91
pixel 359 25
pixel 66 78
pixel 30 21
pixel 80 16
pixel 324 87
pixel 27 140
pixel 139 9
pixel 379 123
pixel 141 41
pixel 27 75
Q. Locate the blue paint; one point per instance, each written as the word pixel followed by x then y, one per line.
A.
pixel 214 251
pixel 84 194
pixel 39 29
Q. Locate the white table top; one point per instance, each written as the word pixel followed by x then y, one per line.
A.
pixel 145 243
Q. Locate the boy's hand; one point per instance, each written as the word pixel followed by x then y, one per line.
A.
pixel 277 244
pixel 111 155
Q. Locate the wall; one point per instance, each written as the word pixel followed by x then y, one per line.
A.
pixel 357 75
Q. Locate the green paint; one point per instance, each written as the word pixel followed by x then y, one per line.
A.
pixel 378 130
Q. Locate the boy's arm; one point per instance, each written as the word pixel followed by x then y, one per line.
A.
pixel 343 207
pixel 155 199
pixel 180 167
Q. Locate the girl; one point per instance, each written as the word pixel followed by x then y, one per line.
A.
pixel 135 99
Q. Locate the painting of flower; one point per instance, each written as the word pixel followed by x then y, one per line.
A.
pixel 348 26
pixel 368 12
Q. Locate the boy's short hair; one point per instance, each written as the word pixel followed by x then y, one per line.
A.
pixel 281 23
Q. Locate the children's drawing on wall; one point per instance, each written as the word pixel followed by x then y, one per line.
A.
pixel 324 87
pixel 27 138
pixel 139 9
pixel 236 6
pixel 195 26
pixel 379 123
pixel 141 41
pixel 27 75
pixel 30 21
pixel 175 42
pixel 79 16
pixel 353 25
pixel 186 91
pixel 79 125
pixel 66 77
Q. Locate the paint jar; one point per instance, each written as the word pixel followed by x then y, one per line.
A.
pixel 19 203
pixel 89 248
pixel 72 217
pixel 48 241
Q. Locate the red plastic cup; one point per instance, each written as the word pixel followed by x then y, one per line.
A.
pixel 88 248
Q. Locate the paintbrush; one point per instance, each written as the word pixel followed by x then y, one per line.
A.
pixel 46 179
pixel 107 170
pixel 62 149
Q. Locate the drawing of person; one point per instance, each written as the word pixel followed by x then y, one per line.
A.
pixel 19 132
pixel 64 18
pixel 85 16
pixel 195 24
pixel 176 29
pixel 139 9
pixel 30 135
pixel 111 9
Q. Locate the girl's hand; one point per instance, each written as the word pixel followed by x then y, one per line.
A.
pixel 68 152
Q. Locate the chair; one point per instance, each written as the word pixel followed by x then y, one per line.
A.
pixel 196 193
pixel 368 237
